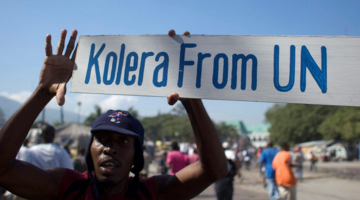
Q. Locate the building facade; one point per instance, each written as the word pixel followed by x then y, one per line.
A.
pixel 254 135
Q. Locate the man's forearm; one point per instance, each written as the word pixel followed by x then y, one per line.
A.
pixel 17 127
pixel 212 157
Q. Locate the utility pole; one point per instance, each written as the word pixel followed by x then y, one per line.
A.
pixel 61 115
pixel 79 105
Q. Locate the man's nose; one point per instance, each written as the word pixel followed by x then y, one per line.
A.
pixel 110 149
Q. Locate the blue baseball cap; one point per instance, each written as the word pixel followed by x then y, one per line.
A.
pixel 122 122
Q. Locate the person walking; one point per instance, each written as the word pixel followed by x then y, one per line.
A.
pixel 266 158
pixel 246 159
pixel 284 176
pixel 313 161
pixel 224 188
pixel 298 159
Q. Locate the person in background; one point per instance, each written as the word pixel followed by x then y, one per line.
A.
pixel 238 153
pixel 298 159
pixel 284 176
pixel 162 166
pixel 246 159
pixel 224 187
pixel 23 150
pixel 176 160
pixel 48 155
pixel 231 155
pixel 79 161
pixel 258 153
pixel 313 161
pixel 144 173
pixel 266 158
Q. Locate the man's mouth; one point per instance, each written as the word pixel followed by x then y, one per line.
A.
pixel 109 166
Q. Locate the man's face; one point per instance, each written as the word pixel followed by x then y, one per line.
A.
pixel 113 156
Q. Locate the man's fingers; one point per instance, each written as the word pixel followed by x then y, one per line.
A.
pixel 173 98
pixel 48 47
pixel 61 44
pixel 71 44
pixel 60 94
pixel 172 33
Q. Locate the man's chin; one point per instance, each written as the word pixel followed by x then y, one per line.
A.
pixel 107 181
pixel 113 179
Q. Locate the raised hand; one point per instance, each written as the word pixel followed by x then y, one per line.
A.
pixel 57 69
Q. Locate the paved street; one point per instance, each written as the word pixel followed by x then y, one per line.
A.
pixel 316 186
pixel 329 183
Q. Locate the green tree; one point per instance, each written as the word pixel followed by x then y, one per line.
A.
pixel 178 110
pixel 343 125
pixel 133 112
pixel 93 116
pixel 226 131
pixel 295 123
pixel 178 128
pixel 56 123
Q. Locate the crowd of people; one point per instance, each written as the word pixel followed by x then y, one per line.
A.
pixel 280 169
pixel 275 165
pixel 46 155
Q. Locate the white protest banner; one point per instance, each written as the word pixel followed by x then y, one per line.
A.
pixel 290 69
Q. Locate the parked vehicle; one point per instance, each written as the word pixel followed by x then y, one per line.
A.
pixel 338 152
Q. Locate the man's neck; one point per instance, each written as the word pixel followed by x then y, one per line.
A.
pixel 113 189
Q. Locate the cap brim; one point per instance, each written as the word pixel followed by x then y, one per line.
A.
pixel 114 129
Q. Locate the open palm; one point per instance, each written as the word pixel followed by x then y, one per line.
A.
pixel 57 69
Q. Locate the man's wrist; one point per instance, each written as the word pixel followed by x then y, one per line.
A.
pixel 44 92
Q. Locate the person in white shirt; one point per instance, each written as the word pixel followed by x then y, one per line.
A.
pixel 48 155
pixel 23 150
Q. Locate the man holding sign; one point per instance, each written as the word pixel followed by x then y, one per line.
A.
pixel 115 148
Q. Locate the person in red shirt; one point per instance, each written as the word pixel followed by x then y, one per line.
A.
pixel 284 176
pixel 114 150
pixel 176 159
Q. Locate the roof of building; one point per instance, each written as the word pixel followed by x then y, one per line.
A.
pixel 315 143
pixel 73 133
pixel 259 129
pixel 241 128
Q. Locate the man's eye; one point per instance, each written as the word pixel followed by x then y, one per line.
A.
pixel 100 138
pixel 124 141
